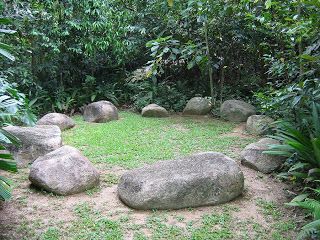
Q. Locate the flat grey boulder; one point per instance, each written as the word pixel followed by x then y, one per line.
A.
pixel 35 142
pixel 64 171
pixel 197 106
pixel 236 110
pixel 253 156
pixel 61 120
pixel 154 110
pixel 197 180
pixel 100 112
pixel 259 124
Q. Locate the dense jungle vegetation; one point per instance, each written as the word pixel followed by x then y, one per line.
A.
pixel 58 55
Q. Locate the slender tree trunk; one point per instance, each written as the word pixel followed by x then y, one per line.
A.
pixel 222 83
pixel 300 47
pixel 210 70
pixel 33 60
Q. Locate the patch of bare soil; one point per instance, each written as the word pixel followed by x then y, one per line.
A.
pixel 239 131
pixel 30 206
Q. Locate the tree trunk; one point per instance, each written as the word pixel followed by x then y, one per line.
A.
pixel 300 47
pixel 210 70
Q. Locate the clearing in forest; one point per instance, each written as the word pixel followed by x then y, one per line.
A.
pixel 132 142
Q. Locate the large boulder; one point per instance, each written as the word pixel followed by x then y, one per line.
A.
pixel 64 171
pixel 100 112
pixel 61 120
pixel 197 106
pixel 35 141
pixel 154 110
pixel 236 110
pixel 253 156
pixel 259 124
pixel 198 180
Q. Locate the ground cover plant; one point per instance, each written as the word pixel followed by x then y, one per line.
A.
pixel 132 142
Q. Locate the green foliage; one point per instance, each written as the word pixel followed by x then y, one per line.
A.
pixel 15 107
pixel 311 229
pixel 9 107
pixel 70 42
pixel 5 49
pixel 227 42
pixel 293 102
pixel 171 96
pixel 301 147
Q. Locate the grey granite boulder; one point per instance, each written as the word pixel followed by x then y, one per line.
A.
pixel 64 171
pixel 154 110
pixel 236 110
pixel 61 120
pixel 35 141
pixel 259 124
pixel 197 106
pixel 253 156
pixel 100 112
pixel 197 180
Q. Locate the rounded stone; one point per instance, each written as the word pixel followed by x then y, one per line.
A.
pixel 100 112
pixel 64 171
pixel 61 120
pixel 197 180
pixel 35 142
pixel 197 106
pixel 253 156
pixel 259 124
pixel 154 110
pixel 236 110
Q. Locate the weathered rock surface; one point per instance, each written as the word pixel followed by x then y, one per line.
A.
pixel 100 112
pixel 198 180
pixel 35 141
pixel 61 120
pixel 154 110
pixel 236 110
pixel 197 106
pixel 64 171
pixel 259 124
pixel 253 156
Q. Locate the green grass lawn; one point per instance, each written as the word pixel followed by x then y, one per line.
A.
pixel 134 140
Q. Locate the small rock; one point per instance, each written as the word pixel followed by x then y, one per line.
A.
pixel 35 142
pixel 61 120
pixel 236 110
pixel 197 106
pixel 253 156
pixel 100 112
pixel 154 110
pixel 259 124
pixel 198 180
pixel 64 171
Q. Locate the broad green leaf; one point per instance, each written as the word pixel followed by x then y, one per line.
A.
pixel 7 54
pixel 300 197
pixel 268 4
